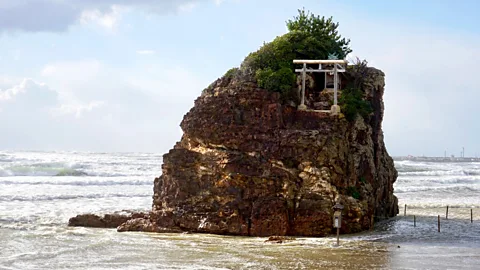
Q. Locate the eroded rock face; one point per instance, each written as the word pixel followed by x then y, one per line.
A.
pixel 248 165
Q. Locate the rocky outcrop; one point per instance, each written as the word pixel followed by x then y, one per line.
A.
pixel 279 239
pixel 107 221
pixel 249 163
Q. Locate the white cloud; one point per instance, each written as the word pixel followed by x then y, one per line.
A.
pixel 25 102
pixel 77 109
pixel 11 93
pixel 107 20
pixel 146 52
pixel 58 15
pixel 33 116
pixel 88 105
pixel 33 94
pixel 70 76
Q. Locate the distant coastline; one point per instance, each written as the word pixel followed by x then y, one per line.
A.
pixel 436 159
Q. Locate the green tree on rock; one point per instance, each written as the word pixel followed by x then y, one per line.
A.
pixel 323 30
pixel 309 37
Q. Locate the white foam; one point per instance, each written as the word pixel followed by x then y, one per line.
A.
pixel 79 164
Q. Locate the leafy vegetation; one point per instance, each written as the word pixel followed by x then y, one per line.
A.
pixel 309 37
pixel 352 191
pixel 230 73
pixel 352 104
pixel 362 179
pixel 324 31
pixel 280 80
pixel 358 72
pixel 351 100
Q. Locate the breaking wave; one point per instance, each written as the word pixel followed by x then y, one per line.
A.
pixel 90 181
pixel 440 189
pixel 10 198
pixel 439 173
pixel 438 181
pixel 42 169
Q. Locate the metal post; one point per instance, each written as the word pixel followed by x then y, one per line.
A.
pixel 446 214
pixel 405 211
pixel 414 221
pixel 471 215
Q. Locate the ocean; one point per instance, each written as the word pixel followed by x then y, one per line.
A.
pixel 40 191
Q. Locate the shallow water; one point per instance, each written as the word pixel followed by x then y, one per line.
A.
pixel 39 191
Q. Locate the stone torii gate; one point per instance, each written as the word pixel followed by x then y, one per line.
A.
pixel 338 66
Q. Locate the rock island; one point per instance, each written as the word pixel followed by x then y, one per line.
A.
pixel 271 146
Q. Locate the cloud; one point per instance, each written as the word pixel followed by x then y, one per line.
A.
pixel 57 16
pixel 89 105
pixel 72 79
pixel 28 120
pixel 34 116
pixel 25 106
pixel 37 95
pixel 11 93
pixel 108 20
pixel 77 109
pixel 40 91
pixel 36 15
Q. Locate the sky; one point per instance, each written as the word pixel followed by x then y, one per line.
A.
pixel 119 75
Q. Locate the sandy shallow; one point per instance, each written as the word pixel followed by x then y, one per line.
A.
pixel 392 245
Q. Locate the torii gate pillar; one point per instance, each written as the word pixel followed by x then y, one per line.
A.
pixel 302 106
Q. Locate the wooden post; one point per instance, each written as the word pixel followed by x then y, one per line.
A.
pixel 414 221
pixel 471 215
pixel 335 81
pixel 303 83
pixel 438 223
pixel 338 236
pixel 446 215
pixel 405 211
pixel 325 84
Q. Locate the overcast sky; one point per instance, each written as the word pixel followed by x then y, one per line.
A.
pixel 118 75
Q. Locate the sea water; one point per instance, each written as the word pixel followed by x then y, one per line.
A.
pixel 40 191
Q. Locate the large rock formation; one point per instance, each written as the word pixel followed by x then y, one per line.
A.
pixel 248 164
